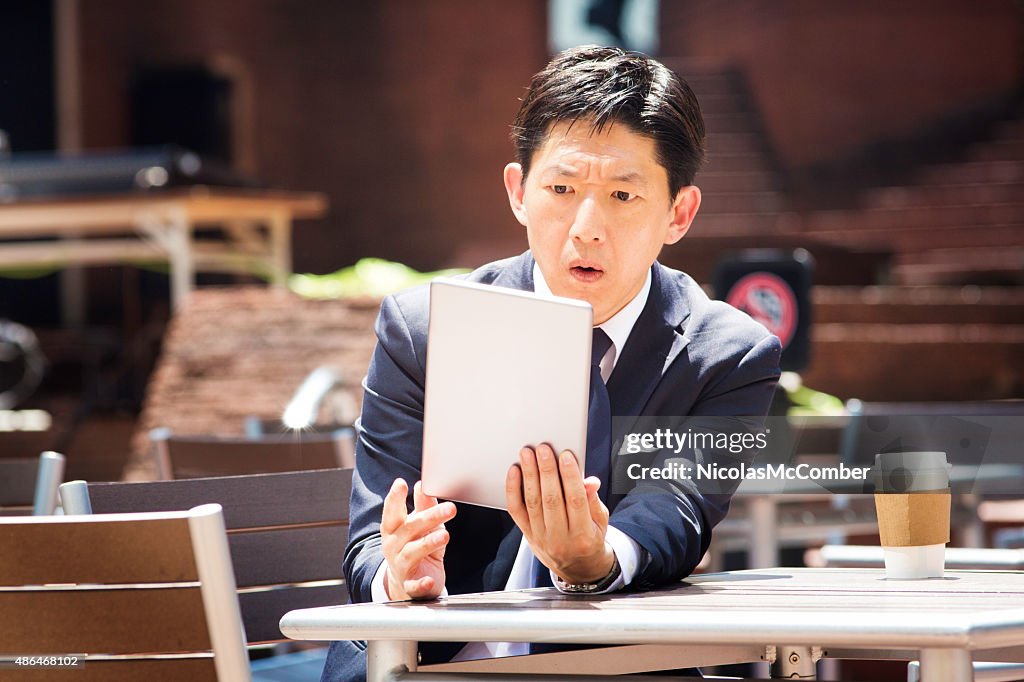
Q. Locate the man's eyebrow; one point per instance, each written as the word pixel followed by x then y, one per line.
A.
pixel 570 172
pixel 630 176
pixel 563 171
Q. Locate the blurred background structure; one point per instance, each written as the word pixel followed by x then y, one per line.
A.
pixel 886 139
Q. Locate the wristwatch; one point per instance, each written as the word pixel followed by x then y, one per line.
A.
pixel 590 588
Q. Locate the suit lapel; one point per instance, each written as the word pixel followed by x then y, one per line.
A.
pixel 518 274
pixel 657 338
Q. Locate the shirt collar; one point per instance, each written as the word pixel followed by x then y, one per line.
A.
pixel 619 326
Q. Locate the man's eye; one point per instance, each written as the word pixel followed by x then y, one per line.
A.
pixel 560 189
pixel 622 196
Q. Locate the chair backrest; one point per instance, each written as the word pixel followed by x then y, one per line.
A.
pixel 203 456
pixel 287 533
pixel 145 596
pixel 970 433
pixel 28 485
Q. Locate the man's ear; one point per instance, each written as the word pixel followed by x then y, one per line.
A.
pixel 684 209
pixel 514 187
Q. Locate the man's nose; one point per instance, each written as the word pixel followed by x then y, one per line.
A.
pixel 589 224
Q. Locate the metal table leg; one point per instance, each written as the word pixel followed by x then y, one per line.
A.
pixel 385 658
pixel 764 531
pixel 946 665
pixel 794 663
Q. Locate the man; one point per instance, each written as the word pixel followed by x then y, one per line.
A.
pixel 607 145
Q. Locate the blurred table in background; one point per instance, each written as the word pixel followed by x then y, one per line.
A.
pixel 251 232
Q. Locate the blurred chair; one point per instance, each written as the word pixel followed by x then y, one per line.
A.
pixel 972 433
pixel 286 532
pixel 303 409
pixel 28 485
pixel 101 585
pixel 201 456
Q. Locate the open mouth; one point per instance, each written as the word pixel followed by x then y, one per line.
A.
pixel 586 273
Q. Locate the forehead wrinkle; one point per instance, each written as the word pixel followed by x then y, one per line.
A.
pixel 566 170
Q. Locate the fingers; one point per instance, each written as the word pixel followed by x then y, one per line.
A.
pixel 531 490
pixel 598 511
pixel 577 506
pixel 430 514
pixel 421 588
pixel 394 512
pixel 420 499
pixel 552 499
pixel 412 553
pixel 514 500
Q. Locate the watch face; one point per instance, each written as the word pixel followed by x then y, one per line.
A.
pixel 576 587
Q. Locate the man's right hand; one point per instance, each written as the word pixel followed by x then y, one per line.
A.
pixel 414 544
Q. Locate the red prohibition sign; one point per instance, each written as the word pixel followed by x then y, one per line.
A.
pixel 769 300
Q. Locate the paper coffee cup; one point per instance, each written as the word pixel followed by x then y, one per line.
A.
pixel 914 563
pixel 912 500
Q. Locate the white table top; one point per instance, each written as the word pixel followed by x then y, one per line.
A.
pixel 853 608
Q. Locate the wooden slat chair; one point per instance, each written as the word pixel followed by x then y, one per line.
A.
pixel 286 532
pixel 203 456
pixel 28 485
pixel 146 596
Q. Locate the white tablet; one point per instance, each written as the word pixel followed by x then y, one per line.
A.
pixel 505 368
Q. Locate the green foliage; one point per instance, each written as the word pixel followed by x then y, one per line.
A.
pixel 369 277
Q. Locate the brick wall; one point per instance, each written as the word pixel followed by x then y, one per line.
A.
pixel 399 111
pixel 829 77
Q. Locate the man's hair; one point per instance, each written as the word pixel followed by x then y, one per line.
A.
pixel 606 85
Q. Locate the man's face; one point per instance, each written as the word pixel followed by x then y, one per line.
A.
pixel 597 211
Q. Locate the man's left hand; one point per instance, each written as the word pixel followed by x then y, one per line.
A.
pixel 560 514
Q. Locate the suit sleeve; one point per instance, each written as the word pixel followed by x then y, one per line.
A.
pixel 671 520
pixel 388 446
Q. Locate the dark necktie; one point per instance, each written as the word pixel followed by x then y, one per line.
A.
pixel 599 434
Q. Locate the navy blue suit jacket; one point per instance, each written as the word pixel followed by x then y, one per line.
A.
pixel 686 355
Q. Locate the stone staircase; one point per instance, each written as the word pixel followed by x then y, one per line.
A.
pixel 918 343
pixel 936 329
pixel 743 203
pixel 960 222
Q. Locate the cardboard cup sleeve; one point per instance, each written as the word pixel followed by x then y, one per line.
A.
pixel 913 519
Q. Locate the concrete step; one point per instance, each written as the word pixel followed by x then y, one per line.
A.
pixel 926 362
pixel 740 181
pixel 721 104
pixel 917 216
pixel 1002 256
pixel 741 202
pixel 730 123
pixel 1008 271
pixel 974 172
pixel 927 237
pixel 1010 130
pixel 998 150
pixel 918 305
pixel 712 222
pixel 945 195
pixel 705 246
pixel 725 162
pixel 733 143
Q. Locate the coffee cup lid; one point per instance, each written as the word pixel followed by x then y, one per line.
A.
pixel 905 472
